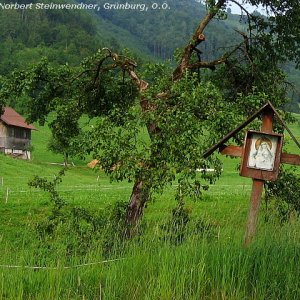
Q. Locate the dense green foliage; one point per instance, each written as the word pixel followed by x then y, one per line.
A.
pixel 116 139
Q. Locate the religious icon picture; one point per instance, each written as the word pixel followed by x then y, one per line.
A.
pixel 262 152
pixel 261 155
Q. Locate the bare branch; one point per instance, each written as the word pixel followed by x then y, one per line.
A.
pixel 121 59
pixel 249 16
pixel 142 85
pixel 212 64
pixel 208 64
pixel 207 19
pixel 127 65
pixel 197 38
pixel 246 47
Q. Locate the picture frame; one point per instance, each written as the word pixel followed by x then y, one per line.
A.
pixel 261 155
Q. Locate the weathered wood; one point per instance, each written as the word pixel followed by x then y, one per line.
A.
pixel 3 134
pixel 258 185
pixel 17 143
pixel 291 159
pixel 257 189
pixel 268 107
pixel 284 125
pixel 267 128
pixel 267 120
pixel 12 137
pixel 235 151
pixel 235 131
pixel 258 173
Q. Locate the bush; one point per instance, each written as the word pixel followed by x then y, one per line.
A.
pixel 73 230
pixel 285 192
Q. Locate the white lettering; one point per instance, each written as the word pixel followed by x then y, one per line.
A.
pixel 51 5
pixel 125 6
pixel 68 6
pixel 15 6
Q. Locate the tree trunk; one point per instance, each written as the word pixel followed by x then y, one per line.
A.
pixel 66 158
pixel 140 193
pixel 135 209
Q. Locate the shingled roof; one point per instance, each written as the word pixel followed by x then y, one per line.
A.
pixel 12 118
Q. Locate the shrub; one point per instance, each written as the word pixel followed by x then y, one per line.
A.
pixel 285 192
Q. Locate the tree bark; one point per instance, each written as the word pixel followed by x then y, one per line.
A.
pixel 135 208
pixel 66 158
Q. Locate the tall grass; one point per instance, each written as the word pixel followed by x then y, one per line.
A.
pixel 201 267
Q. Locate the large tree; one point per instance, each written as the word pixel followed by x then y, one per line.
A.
pixel 153 125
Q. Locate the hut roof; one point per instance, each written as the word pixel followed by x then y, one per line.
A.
pixel 11 117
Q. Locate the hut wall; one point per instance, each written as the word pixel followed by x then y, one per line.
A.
pixel 18 138
pixel 15 141
pixel 3 135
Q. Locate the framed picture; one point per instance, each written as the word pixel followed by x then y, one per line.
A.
pixel 261 155
pixel 262 152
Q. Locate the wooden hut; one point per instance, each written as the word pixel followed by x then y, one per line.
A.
pixel 15 134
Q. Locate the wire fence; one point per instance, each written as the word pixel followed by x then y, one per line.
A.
pixel 7 266
pixel 10 195
pixel 17 189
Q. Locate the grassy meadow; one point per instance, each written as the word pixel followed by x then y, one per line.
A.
pixel 204 259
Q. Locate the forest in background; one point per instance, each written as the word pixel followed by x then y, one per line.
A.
pixel 68 36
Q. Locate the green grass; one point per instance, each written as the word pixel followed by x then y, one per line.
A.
pixel 200 268
pixel 210 266
pixel 295 128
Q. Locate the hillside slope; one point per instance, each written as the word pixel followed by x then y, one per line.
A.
pixel 67 36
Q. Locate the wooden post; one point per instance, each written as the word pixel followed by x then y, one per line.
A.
pixel 257 189
pixel 257 186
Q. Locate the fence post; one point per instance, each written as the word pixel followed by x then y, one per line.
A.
pixel 6 198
